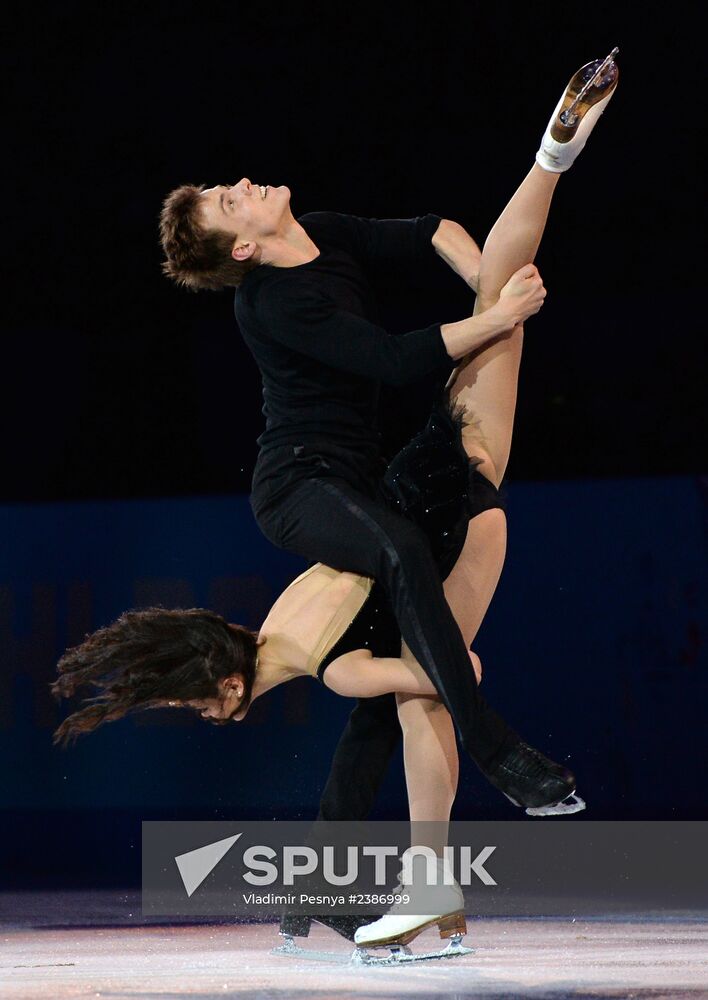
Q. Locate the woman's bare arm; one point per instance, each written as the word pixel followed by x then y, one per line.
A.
pixel 358 674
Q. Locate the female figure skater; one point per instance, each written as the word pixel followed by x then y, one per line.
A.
pixel 155 657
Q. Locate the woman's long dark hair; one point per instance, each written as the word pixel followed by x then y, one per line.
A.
pixel 150 656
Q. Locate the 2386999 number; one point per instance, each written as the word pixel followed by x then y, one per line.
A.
pixel 379 899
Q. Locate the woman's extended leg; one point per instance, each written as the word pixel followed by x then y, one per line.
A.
pixel 485 382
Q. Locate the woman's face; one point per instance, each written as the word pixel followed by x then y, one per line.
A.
pixel 221 709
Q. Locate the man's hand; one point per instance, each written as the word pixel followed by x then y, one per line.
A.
pixel 522 296
pixel 457 248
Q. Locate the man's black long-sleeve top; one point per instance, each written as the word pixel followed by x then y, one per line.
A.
pixel 313 330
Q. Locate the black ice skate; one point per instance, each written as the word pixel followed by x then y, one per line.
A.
pixel 294 925
pixel 532 781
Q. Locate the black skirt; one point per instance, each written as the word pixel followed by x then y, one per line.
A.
pixel 432 482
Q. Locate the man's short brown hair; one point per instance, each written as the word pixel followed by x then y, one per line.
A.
pixel 196 257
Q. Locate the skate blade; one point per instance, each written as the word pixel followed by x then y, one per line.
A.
pixel 581 96
pixel 292 950
pixel 571 804
pixel 401 954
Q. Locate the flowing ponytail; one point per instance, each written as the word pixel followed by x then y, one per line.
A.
pixel 147 657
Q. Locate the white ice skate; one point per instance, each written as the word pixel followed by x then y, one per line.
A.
pixel 438 904
pixel 584 100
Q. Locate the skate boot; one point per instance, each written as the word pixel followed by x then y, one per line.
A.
pixel 584 100
pixel 428 905
pixel 531 780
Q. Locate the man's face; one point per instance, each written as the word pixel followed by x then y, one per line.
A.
pixel 251 212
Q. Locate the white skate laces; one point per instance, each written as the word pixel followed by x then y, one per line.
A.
pixel 584 100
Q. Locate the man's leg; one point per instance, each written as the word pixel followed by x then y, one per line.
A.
pixel 358 768
pixel 429 748
pixel 328 520
pixel 374 729
pixel 360 760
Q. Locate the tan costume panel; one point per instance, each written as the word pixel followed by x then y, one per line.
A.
pixel 313 584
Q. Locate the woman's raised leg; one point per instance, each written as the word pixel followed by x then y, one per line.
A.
pixel 485 382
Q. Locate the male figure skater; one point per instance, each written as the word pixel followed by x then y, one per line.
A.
pixel 305 310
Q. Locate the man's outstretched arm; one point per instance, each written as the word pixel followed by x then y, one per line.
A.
pixel 305 318
pixel 454 244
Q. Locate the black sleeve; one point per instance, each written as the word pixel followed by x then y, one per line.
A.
pixel 306 320
pixel 389 242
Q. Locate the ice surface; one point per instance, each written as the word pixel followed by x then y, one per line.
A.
pixel 45 952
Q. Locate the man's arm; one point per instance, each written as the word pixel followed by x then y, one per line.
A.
pixel 303 318
pixel 400 243
pixel 454 244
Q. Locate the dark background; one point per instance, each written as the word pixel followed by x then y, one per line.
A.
pixel 124 385
pixel 121 387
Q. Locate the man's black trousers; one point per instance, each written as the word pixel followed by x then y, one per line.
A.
pixel 325 504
